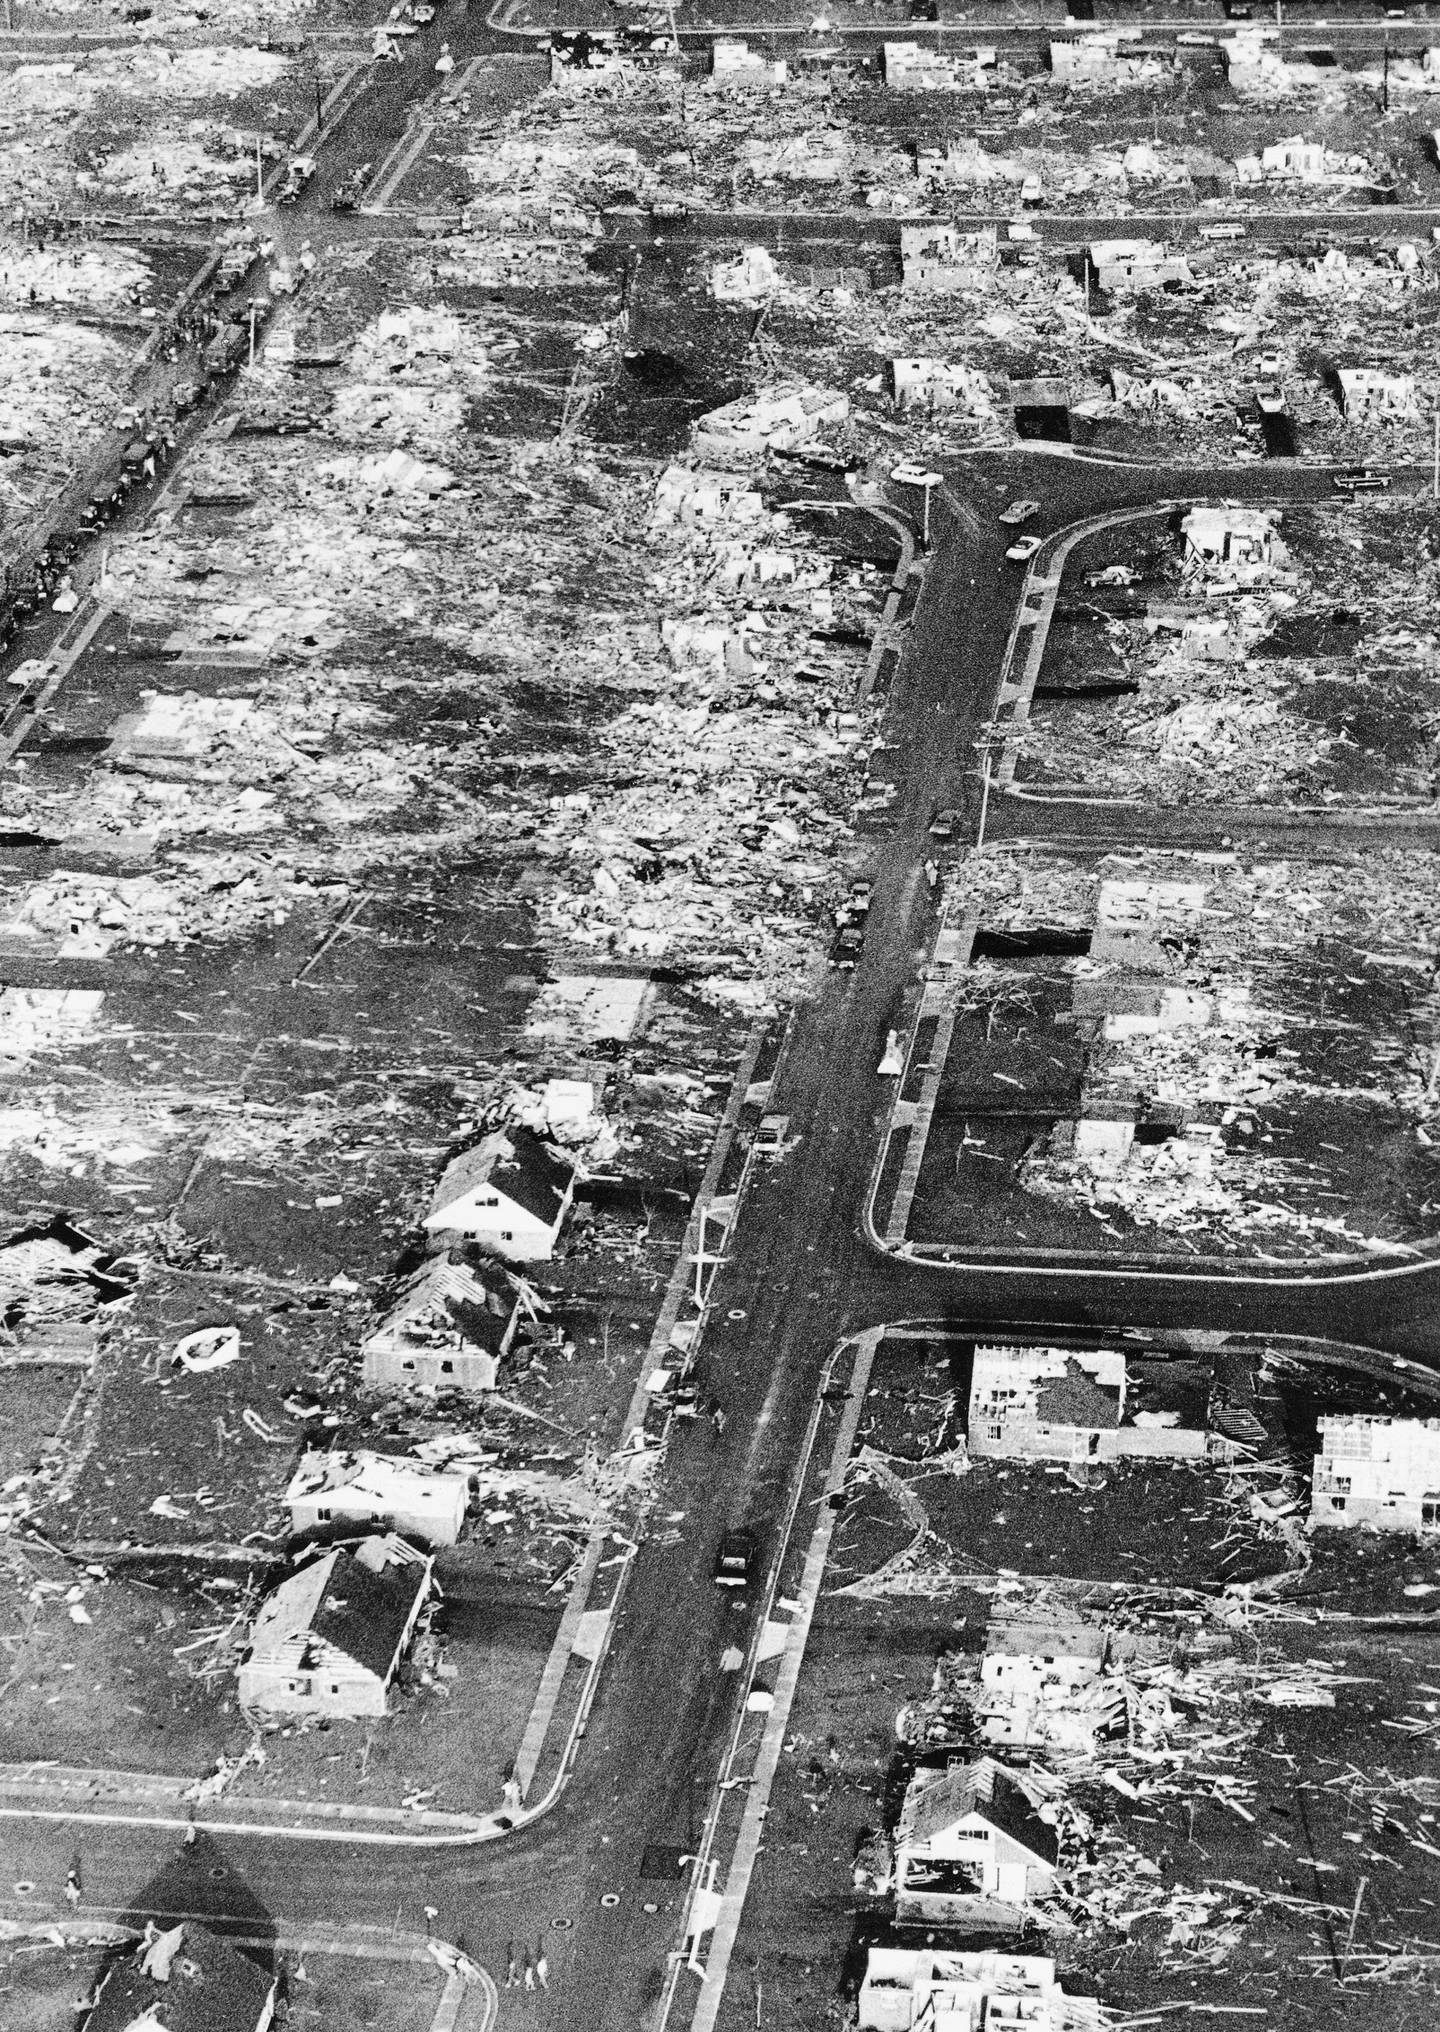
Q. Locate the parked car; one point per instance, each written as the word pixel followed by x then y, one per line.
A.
pixel 298 172
pixel 1359 480
pixel 1270 401
pixel 737 1559
pixel 1026 548
pixel 770 1137
pixel 944 823
pixel 224 350
pixel 1223 229
pixel 861 893
pixel 849 944
pixel 1018 512
pixel 347 195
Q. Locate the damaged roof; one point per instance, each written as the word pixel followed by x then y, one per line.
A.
pixel 983 1788
pixel 208 1986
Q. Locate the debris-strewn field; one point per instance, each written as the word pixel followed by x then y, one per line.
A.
pixel 1206 1053
pixel 1305 677
pixel 1240 1793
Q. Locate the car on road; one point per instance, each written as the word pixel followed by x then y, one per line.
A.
pixel 1018 553
pixel 944 823
pixel 772 1136
pixel 1359 480
pixel 861 895
pixel 298 173
pixel 1223 229
pixel 224 350
pixel 347 195
pixel 1018 512
pixel 1270 400
pixel 849 944
pixel 737 1560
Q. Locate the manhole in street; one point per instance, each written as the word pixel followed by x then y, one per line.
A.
pixel 562 1925
pixel 610 1900
pixel 219 1871
pixel 662 1859
pixel 24 1888
pixel 736 1312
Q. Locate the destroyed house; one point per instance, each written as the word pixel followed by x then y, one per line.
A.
pixel 931 384
pixel 773 419
pixel 1136 264
pixel 1230 535
pixel 1042 408
pixel 445 1331
pixel 1046 1686
pixel 184 1980
pixel 937 256
pixel 1367 393
pixel 1377 1471
pixel 685 496
pixel 510 1193
pixel 916 67
pixel 905 1989
pixel 329 1639
pixel 971 1832
pixel 1294 157
pixel 1098 56
pixel 733 60
pixel 1026 1654
pixel 330 1492
pixel 1078 1404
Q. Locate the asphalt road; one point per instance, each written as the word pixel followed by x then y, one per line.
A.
pixel 800 1277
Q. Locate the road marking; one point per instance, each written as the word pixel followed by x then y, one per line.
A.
pixel 542 1714
pixel 757 1805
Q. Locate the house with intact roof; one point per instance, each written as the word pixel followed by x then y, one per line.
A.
pixel 183 1980
pixel 971 1838
pixel 329 1639
pixel 511 1193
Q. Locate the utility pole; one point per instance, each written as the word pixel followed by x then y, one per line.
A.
pixel 259 170
pixel 319 104
pixel 252 334
pixel 1385 83
pixel 1435 462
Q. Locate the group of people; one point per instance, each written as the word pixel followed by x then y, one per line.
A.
pixel 536 1970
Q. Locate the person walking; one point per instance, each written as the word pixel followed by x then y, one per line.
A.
pixel 529 1971
pixel 542 1967
pixel 512 1972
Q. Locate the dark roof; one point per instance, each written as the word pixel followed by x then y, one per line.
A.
pixel 530 1176
pixel 983 1787
pixel 364 1614
pixel 212 1987
pixel 1077 1399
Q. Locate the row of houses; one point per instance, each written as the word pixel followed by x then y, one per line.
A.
pixel 1373 1470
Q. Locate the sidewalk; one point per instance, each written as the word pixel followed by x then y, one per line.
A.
pixel 562 1704
pixel 465 1982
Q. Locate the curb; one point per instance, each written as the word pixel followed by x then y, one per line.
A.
pixel 1207 1269
pixel 362 1943
pixel 314 1820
